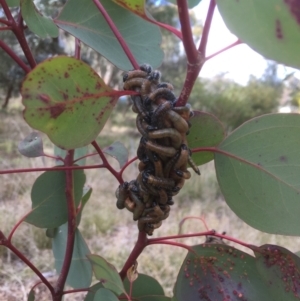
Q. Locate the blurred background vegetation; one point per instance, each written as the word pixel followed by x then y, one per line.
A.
pixel 108 231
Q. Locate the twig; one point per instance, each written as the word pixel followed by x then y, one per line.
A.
pixel 206 28
pixel 77 48
pixel 10 246
pixel 16 58
pixel 10 171
pixel 106 163
pixel 238 42
pixel 117 34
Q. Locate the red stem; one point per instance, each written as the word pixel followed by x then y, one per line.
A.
pixel 18 30
pixel 187 37
pixel 158 239
pixel 141 243
pixel 5 28
pixel 117 34
pixel 172 243
pixel 85 156
pixel 192 217
pixel 238 42
pixel 9 238
pixel 16 58
pixel 6 22
pixel 126 165
pixel 77 48
pixel 106 163
pixel 8 244
pixel 195 65
pixel 206 28
pixel 4 172
pixel 76 291
pixel 71 229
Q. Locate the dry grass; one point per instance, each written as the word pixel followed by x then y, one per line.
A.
pixel 109 232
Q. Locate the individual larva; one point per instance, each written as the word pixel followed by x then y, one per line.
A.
pixel 163 151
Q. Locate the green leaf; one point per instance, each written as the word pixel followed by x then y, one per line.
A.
pixel 219 272
pixel 206 131
pixel 80 273
pixel 36 22
pixel 31 146
pixel 31 295
pixel 92 291
pixel 258 169
pixel 269 27
pixel 105 294
pixel 79 152
pixel 66 99
pixel 144 288
pixel 280 269
pixel 12 3
pixel 82 19
pixel 118 151
pixel 49 204
pixel 107 274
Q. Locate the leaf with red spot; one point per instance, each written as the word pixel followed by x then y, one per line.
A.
pixel 280 270
pixel 271 27
pixel 218 272
pixel 138 7
pixel 66 99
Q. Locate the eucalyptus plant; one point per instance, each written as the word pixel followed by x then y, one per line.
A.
pixel 257 164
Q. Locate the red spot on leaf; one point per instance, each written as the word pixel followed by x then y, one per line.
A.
pixel 66 75
pixel 57 109
pixel 98 86
pixel 294 6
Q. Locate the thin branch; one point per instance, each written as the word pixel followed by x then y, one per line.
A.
pixel 9 238
pixel 195 66
pixel 71 226
pixel 13 55
pixel 158 239
pixel 7 11
pixel 126 165
pixel 4 172
pixel 206 28
pixel 192 217
pixel 172 243
pixel 84 157
pixel 117 34
pixel 187 37
pixel 238 42
pixel 10 246
pixel 76 291
pixel 77 48
pixel 106 163
pixel 5 28
pixel 6 22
